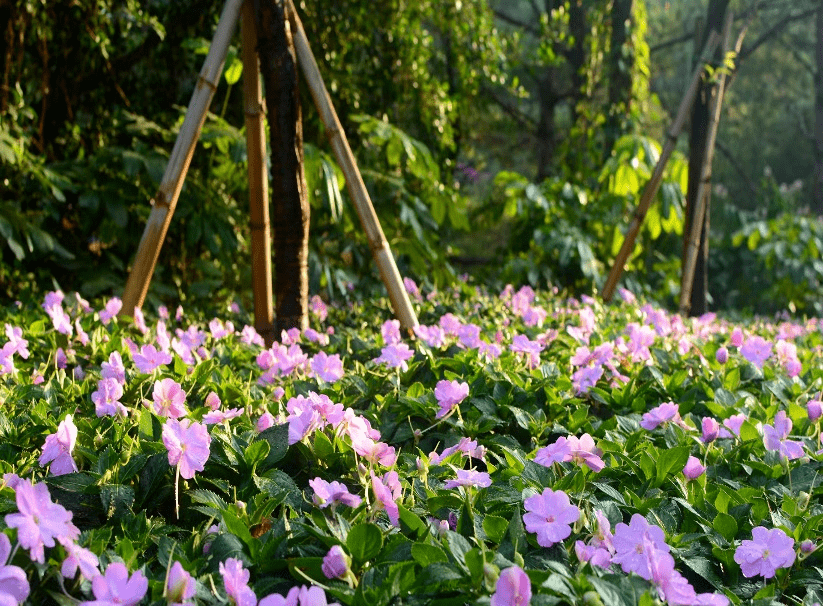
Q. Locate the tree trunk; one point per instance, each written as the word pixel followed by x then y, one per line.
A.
pixel 818 115
pixel 621 62
pixel 697 153
pixel 546 144
pixel 290 205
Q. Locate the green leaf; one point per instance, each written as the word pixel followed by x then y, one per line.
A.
pixel 726 525
pixel 364 542
pixel 233 71
pixel 670 461
pixel 278 439
pixel 256 452
pixel 425 554
pixel 495 528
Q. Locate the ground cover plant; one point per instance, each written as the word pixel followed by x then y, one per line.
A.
pixel 520 448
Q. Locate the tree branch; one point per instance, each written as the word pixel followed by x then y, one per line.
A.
pixel 773 31
pixel 518 116
pixel 512 21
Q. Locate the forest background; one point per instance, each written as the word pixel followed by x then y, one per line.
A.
pixel 510 139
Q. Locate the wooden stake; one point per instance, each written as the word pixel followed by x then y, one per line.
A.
pixel 652 186
pixel 258 180
pixel 357 189
pixel 693 242
pixel 165 199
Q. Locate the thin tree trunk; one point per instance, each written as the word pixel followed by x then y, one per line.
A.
pixel 697 153
pixel 290 204
pixel 818 115
pixel 621 61
pixel 546 144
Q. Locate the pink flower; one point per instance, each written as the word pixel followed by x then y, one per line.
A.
pixel 385 499
pixel 180 586
pixel 331 493
pixel 736 337
pixel 188 445
pixel 814 408
pixel 470 477
pixel 765 553
pixel 169 399
pixel 580 450
pixel 116 588
pixel 756 350
pixel 433 336
pixel 513 588
pixel 775 437
pixel 395 356
pixel 218 416
pixel 318 308
pixel 58 448
pixel 17 343
pixel 327 368
pixel 107 398
pixel 111 309
pixel 114 369
pixel 336 563
pixel 596 556
pixel 265 421
pixel 630 544
pixel 390 331
pixel 78 558
pixel 532 349
pixel 213 401
pixel 14 585
pixel 734 423
pixel 39 521
pixel 298 596
pixel 149 359
pixel 693 469
pixel 550 515
pixel 711 429
pixel 236 583
pixel 449 394
pixel 671 586
pixel 664 413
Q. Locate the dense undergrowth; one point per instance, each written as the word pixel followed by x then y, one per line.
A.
pixel 522 446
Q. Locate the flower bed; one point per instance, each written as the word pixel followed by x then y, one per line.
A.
pixel 520 449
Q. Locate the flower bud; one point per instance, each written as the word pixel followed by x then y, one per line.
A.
pixel 815 410
pixel 807 546
pixel 336 563
pixel 722 355
pixel 693 469
pixel 711 429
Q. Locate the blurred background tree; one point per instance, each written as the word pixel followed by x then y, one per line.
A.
pixel 532 123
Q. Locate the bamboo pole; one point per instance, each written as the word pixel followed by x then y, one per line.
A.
pixel 701 197
pixel 657 176
pixel 258 180
pixel 357 189
pixel 165 199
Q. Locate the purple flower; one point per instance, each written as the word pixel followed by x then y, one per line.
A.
pixel 664 413
pixel 449 394
pixel 336 563
pixel 580 450
pixel 671 586
pixel 550 515
pixel 112 308
pixel 722 355
pixel 734 423
pixel 58 447
pixel 236 583
pixel 265 421
pixel 218 416
pixel 532 349
pixel 756 350
pixel 470 477
pixel 513 588
pixel 187 444
pixel 596 556
pixel 298 596
pixel 385 499
pixel 693 469
pixel 116 588
pixel 149 359
pixel 765 553
pixel 711 429
pixel 395 356
pixel 39 521
pixel 433 336
pixel 775 437
pixel 630 542
pixel 318 308
pixel 180 586
pixel 327 368
pixel 169 399
pixel 107 398
pixel 814 408
pixel 331 493
pixel 390 331
pixel 78 558
pixel 14 585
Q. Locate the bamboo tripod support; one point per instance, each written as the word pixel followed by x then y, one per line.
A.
pixel 258 180
pixel 165 200
pixel 357 189
pixel 653 185
pixel 701 196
